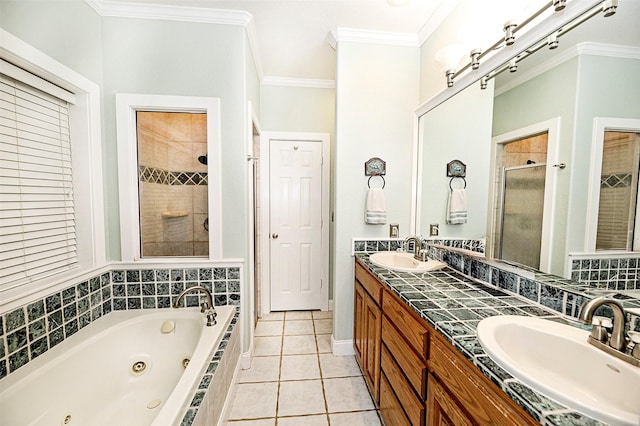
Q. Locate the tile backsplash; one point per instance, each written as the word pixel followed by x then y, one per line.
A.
pixel 30 330
pixel 392 244
pixel 607 272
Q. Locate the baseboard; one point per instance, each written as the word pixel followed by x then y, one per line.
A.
pixel 342 347
pixel 226 409
pixel 245 358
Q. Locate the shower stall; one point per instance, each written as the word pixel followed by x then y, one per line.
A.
pixel 172 174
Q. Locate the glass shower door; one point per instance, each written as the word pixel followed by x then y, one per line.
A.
pixel 522 208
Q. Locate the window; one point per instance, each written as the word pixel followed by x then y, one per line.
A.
pixel 618 191
pixel 36 184
pixel 36 70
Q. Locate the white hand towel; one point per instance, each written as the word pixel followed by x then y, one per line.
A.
pixel 457 207
pixel 375 208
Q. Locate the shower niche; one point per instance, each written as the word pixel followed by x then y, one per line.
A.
pixel 172 179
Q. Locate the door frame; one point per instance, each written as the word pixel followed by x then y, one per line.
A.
pixel 265 219
pixel 552 127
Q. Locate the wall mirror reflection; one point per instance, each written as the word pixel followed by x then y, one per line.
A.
pixel 543 143
pixel 172 174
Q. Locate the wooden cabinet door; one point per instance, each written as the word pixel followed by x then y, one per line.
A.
pixel 359 301
pixel 442 410
pixel 373 333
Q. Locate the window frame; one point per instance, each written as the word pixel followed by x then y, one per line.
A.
pixel 127 105
pixel 86 146
pixel 600 126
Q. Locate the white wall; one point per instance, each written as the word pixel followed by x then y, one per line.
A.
pixel 377 91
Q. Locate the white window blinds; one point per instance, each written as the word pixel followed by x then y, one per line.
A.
pixel 37 223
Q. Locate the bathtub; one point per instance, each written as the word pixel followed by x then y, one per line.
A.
pixel 127 368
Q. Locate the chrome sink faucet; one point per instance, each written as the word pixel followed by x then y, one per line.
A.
pixel 206 307
pixel 616 343
pixel 418 253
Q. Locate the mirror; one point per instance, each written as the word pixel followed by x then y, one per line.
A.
pixel 559 94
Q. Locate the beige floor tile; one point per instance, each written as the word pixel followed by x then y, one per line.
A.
pixel 299 367
pixel 263 369
pixel 254 400
pixel 359 418
pixel 323 326
pixel 261 422
pixel 301 397
pixel 273 316
pixel 322 314
pixel 298 315
pixel 347 394
pixel 324 343
pixel 317 420
pixel 339 366
pixel 297 327
pixel 269 328
pixel 293 345
pixel 267 345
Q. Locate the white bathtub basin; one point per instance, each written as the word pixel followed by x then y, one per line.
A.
pixel 556 360
pixel 403 262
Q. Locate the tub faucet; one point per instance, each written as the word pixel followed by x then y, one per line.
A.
pixel 616 343
pixel 418 253
pixel 206 307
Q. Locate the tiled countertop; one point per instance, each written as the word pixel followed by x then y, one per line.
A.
pixel 454 305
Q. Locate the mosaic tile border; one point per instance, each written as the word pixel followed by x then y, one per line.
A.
pixel 367 245
pixel 149 174
pixel 611 273
pixel 31 330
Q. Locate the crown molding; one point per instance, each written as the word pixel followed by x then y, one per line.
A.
pixel 586 48
pixel 170 13
pixel 299 82
pixel 438 16
pixel 184 14
pixel 376 37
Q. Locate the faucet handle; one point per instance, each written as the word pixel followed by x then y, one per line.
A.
pixel 599 331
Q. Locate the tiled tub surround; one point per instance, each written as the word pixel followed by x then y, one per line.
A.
pixel 453 305
pixel 117 343
pixel 30 330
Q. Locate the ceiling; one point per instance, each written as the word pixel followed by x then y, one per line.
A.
pixel 294 37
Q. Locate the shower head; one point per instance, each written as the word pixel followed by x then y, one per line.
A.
pixel 203 159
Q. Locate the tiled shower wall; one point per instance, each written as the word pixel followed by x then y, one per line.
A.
pixel 173 183
pixel 30 330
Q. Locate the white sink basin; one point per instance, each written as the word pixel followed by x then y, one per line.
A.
pixel 557 361
pixel 403 262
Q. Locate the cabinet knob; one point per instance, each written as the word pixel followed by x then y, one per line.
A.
pixel 274 236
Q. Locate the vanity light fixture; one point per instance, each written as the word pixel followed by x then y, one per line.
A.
pixel 509 35
pixel 475 58
pixel 484 81
pixel 450 57
pixel 450 73
pixel 553 41
pixel 558 5
pixel 609 7
pixel 513 65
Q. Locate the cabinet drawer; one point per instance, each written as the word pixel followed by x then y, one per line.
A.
pixel 369 283
pixel 410 327
pixel 413 407
pixel 413 367
pixel 475 393
pixel 390 408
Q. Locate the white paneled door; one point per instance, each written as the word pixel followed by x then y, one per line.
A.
pixel 295 181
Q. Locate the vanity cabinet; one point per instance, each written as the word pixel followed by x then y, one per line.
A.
pixel 415 376
pixel 367 327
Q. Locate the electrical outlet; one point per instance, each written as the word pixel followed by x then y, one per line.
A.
pixel 434 230
pixel 394 230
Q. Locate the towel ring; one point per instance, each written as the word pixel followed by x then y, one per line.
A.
pixel 380 176
pixel 459 177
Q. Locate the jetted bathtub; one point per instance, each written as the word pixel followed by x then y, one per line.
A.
pixel 136 367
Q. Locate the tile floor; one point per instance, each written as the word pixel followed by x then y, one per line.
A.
pixel 295 380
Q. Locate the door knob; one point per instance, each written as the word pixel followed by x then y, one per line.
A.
pixel 274 236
